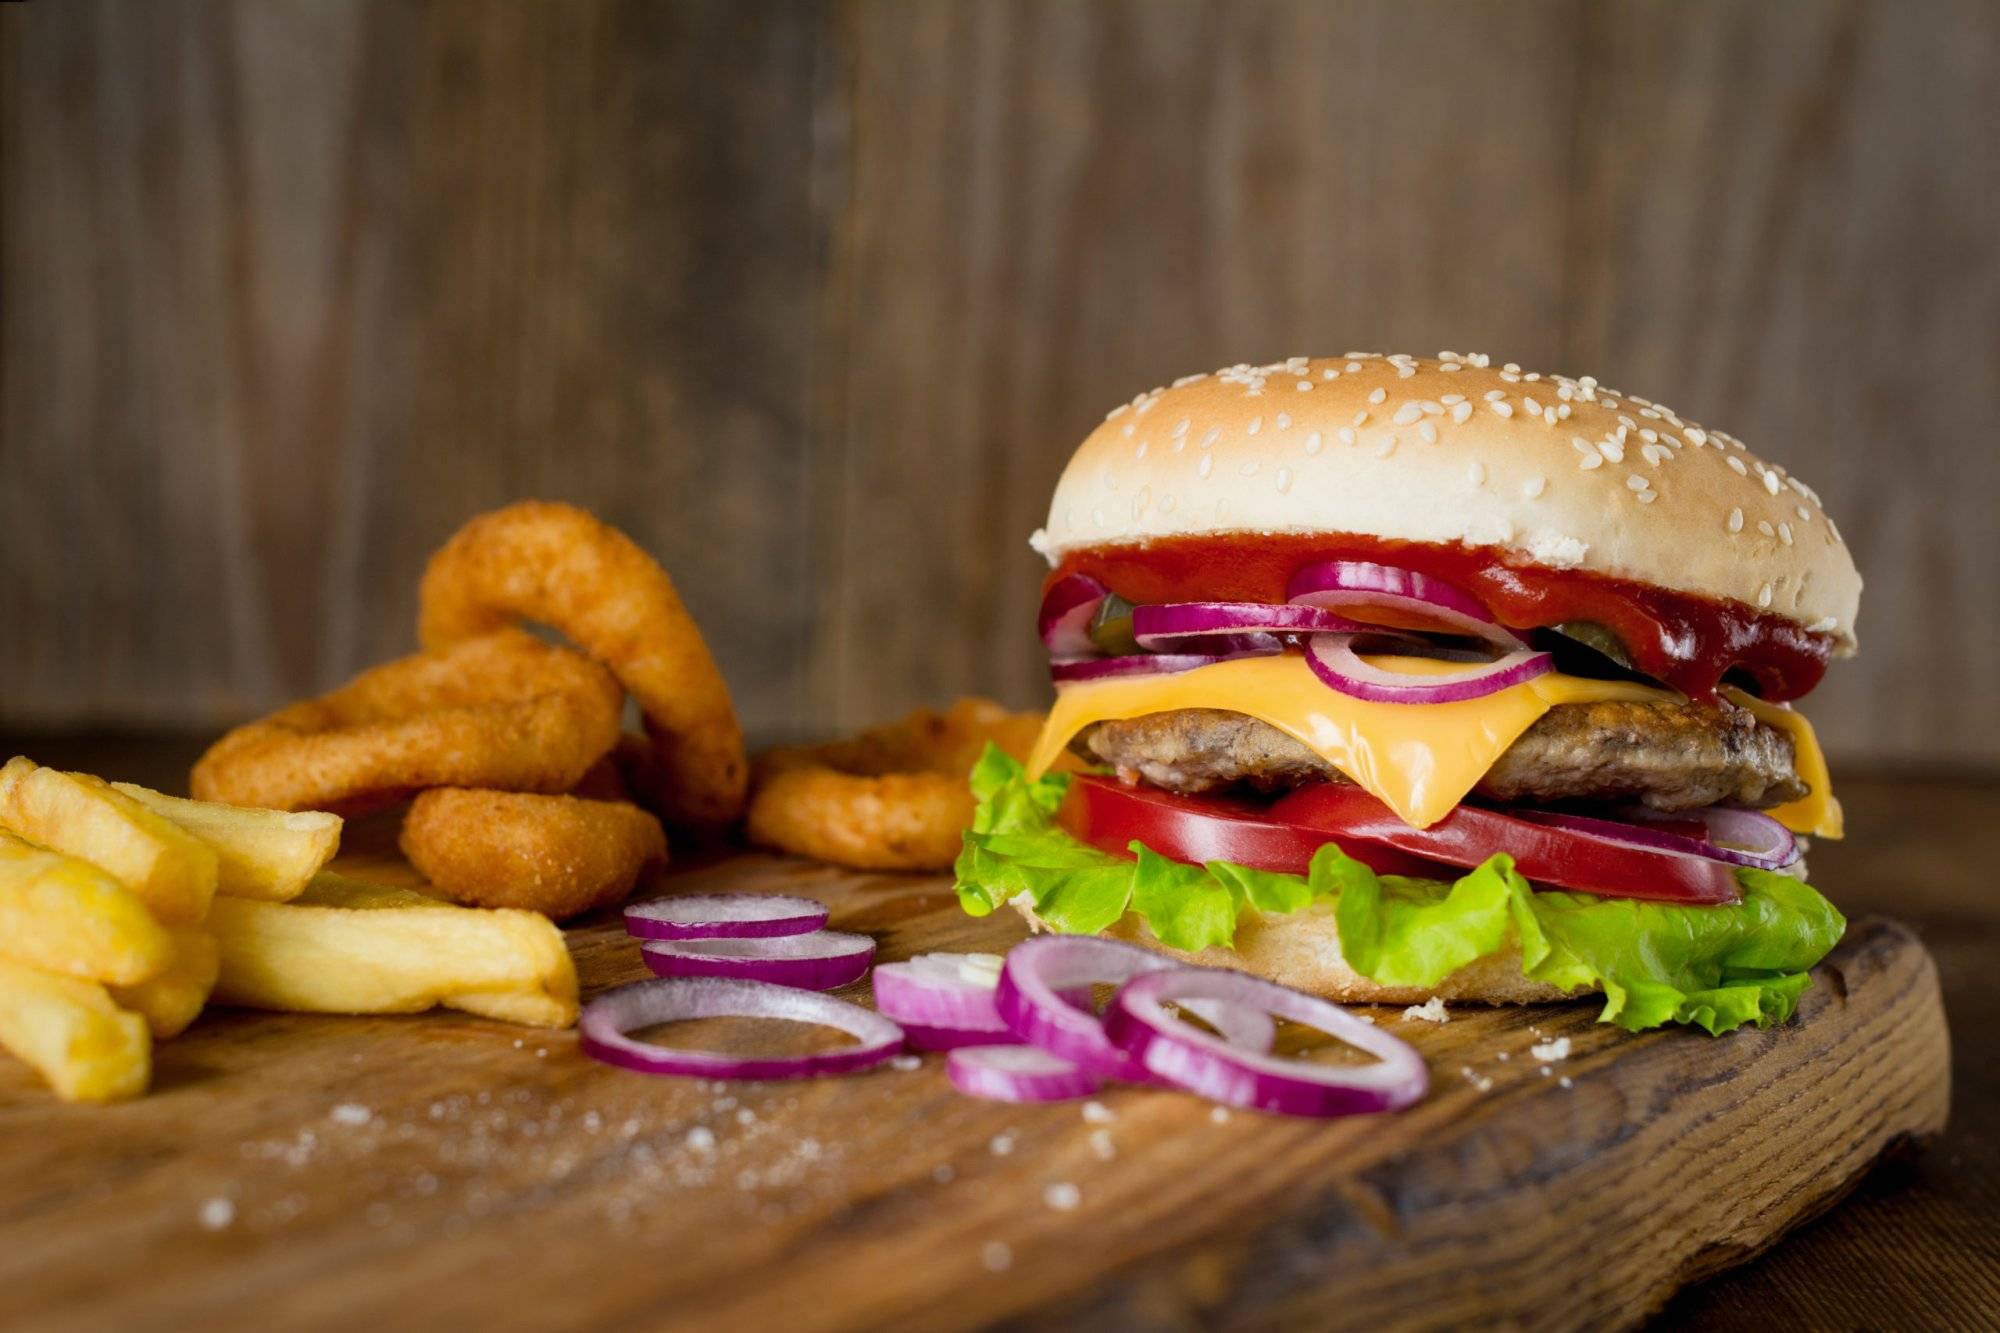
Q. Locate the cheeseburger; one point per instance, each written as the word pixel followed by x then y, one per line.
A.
pixel 1391 677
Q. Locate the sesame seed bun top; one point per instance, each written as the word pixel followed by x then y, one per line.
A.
pixel 1566 473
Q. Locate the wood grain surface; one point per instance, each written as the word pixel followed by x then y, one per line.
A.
pixel 815 298
pixel 517 1197
pixel 440 1170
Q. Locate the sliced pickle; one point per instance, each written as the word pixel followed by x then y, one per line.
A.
pixel 1597 638
pixel 1111 627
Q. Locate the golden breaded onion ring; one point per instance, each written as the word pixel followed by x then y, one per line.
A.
pixel 893 797
pixel 502 710
pixel 556 564
pixel 557 855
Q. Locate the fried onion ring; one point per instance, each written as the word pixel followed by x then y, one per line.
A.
pixel 893 797
pixel 557 855
pixel 556 564
pixel 504 710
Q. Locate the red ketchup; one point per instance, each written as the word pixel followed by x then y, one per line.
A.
pixel 1689 642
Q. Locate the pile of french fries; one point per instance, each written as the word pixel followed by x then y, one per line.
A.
pixel 124 911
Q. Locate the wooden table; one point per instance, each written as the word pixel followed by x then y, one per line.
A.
pixel 1913 1248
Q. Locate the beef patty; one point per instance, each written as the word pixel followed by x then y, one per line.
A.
pixel 1670 756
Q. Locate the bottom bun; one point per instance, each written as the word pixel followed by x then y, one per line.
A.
pixel 1302 951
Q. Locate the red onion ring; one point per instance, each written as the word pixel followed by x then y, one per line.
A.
pixel 1067 610
pixel 819 961
pixel 1208 626
pixel 1016 1074
pixel 1039 973
pixel 952 990
pixel 724 915
pixel 1142 664
pixel 1174 1052
pixel 1770 845
pixel 1333 660
pixel 1401 598
pixel 603 1031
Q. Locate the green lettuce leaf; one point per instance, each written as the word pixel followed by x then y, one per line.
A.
pixel 1714 967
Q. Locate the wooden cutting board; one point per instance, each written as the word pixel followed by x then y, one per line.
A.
pixel 443 1171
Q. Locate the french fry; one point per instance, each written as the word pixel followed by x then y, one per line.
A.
pixel 267 854
pixel 172 1000
pixel 350 948
pixel 67 917
pixel 83 1045
pixel 172 871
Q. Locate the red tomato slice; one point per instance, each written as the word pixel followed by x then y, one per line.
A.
pixel 1563 858
pixel 1109 815
pixel 1284 834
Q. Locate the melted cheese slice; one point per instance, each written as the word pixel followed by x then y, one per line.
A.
pixel 1818 811
pixel 1419 759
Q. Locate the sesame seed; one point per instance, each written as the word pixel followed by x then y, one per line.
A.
pixel 1805 515
pixel 1650 436
pixel 1405 372
pixel 1494 395
pixel 1114 412
pixel 217 1213
pixel 1550 416
pixel 1361 418
pixel 1771 482
pixel 1346 434
pixel 1764 526
pixel 1428 433
pixel 1476 474
pixel 1214 434
pixel 1502 407
pixel 1249 468
pixel 1613 451
pixel 1130 427
pixel 1062 1196
pixel 1353 366
pixel 1329 374
pixel 1314 441
pixel 1653 453
pixel 1736 464
pixel 1696 435
pixel 1431 409
pixel 1284 480
pixel 1637 482
pixel 1785 533
pixel 1534 486
pixel 1449 365
pixel 1180 428
pixel 1387 447
pixel 1534 408
pixel 1461 411
pixel 1590 460
pixel 1405 414
pixel 1736 520
pixel 1452 399
pixel 1647 497
pixel 1379 396
pixel 1140 452
pixel 1097 517
pixel 1206 466
pixel 1256 424
pixel 1764 595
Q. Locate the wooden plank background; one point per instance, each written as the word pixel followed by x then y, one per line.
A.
pixel 815 298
